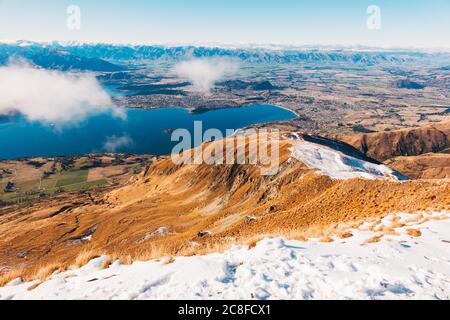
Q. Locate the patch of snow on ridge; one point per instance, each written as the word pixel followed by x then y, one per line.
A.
pixel 397 267
pixel 160 232
pixel 338 165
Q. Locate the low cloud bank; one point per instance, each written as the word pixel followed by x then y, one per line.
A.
pixel 114 143
pixel 52 96
pixel 205 73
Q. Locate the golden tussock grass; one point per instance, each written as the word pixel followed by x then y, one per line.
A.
pixel 9 276
pixel 170 260
pixel 153 250
pixel 326 239
pixel 34 286
pixel 252 244
pixel 390 232
pixel 374 239
pixel 43 271
pixel 345 235
pixel 47 271
pixel 439 218
pixel 414 232
pixel 84 257
pixel 180 246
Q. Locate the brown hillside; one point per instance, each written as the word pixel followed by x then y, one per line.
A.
pixel 408 142
pixel 201 208
pixel 425 166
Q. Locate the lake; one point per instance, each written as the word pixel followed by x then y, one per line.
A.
pixel 143 132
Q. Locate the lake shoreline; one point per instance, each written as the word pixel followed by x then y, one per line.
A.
pixel 144 132
pixel 206 109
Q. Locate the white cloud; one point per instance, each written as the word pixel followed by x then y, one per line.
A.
pixel 52 96
pixel 205 73
pixel 114 143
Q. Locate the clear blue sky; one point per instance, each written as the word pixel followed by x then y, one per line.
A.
pixel 418 23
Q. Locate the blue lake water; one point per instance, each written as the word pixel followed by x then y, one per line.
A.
pixel 144 130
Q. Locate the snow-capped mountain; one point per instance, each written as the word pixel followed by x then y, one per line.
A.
pixel 100 57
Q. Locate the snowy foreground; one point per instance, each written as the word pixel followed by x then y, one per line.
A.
pixel 398 267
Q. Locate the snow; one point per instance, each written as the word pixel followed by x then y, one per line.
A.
pixel 338 165
pixel 87 238
pixel 160 232
pixel 397 267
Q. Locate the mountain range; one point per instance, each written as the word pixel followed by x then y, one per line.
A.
pixel 109 58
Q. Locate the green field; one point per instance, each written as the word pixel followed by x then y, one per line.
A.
pixel 71 177
pixel 63 181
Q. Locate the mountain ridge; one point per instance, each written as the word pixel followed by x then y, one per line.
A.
pixel 112 53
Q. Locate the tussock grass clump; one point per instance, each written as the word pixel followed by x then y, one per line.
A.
pixel 327 239
pixel 85 256
pixel 47 271
pixel 414 232
pixel 374 239
pixel 10 276
pixel 346 235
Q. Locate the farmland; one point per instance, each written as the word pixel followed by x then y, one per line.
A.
pixel 26 180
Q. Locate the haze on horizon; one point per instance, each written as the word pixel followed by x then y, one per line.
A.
pixel 412 23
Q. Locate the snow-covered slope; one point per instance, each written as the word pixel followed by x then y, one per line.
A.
pixel 338 165
pixel 398 266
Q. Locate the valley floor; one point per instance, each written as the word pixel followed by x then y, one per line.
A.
pixel 411 263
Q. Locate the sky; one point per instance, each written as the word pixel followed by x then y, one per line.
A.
pixel 403 23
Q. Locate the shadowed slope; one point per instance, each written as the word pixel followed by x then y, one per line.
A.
pixel 407 142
